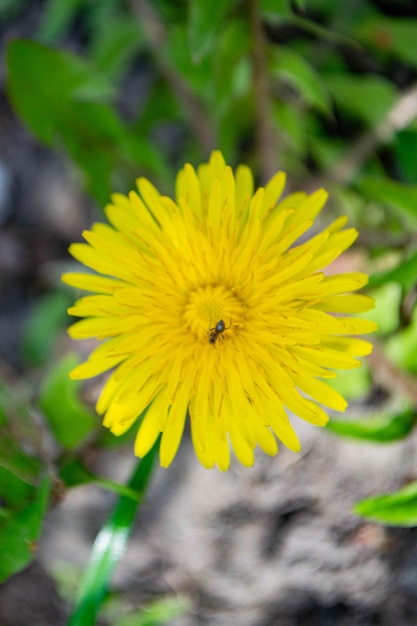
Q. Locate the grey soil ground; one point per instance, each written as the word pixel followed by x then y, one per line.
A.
pixel 273 545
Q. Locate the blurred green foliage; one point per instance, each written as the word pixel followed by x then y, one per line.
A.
pixel 396 509
pixel 47 318
pixel 380 429
pixel 138 88
pixel 24 483
pixel 156 613
pixel 67 417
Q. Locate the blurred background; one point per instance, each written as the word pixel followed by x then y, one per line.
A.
pixel 95 93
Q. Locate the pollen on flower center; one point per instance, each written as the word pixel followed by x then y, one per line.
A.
pixel 209 304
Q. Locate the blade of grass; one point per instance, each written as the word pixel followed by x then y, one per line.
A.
pixel 110 546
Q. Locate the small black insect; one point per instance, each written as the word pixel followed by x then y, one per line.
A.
pixel 216 331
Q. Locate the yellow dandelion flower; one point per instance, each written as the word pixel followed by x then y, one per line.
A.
pixel 210 308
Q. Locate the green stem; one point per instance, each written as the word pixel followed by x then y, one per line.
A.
pixel 110 546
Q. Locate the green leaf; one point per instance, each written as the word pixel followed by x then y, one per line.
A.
pixel 73 473
pixel 114 47
pixel 391 35
pixel 405 148
pixel 110 546
pixel 13 490
pixel 56 19
pixel 401 347
pixel 404 273
pixel 72 110
pixel 235 121
pixel 197 75
pixel 291 123
pixel 156 613
pixel 19 531
pixel 205 21
pixel 387 308
pixel 301 4
pixel 352 384
pixel 381 429
pixel 288 65
pixel 232 69
pixel 47 106
pixel 47 318
pixel 93 135
pixel 368 97
pixel 159 107
pixel 326 151
pixel 395 509
pixel 400 197
pixel 276 9
pixel 70 421
pixel 19 436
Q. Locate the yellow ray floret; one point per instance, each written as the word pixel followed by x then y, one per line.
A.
pixel 211 311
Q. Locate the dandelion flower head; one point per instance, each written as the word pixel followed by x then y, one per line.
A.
pixel 211 308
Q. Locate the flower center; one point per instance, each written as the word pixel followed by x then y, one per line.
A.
pixel 209 305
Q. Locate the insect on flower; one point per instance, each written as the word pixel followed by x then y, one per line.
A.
pixel 165 270
pixel 216 331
